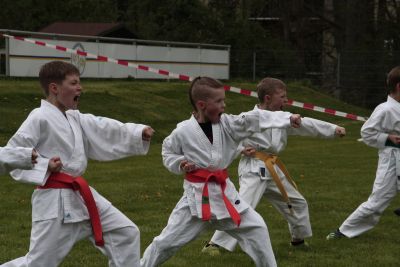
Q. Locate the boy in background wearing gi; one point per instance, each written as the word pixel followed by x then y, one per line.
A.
pixel 382 131
pixel 64 208
pixel 261 173
pixel 16 158
pixel 202 148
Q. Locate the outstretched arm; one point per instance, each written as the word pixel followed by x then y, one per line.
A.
pixel 109 139
pixel 245 124
pixel 317 128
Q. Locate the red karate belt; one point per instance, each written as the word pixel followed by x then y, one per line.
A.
pixel 219 177
pixel 61 180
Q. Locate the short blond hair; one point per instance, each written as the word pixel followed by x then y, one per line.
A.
pixel 268 86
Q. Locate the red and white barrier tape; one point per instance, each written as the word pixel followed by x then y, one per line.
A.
pixel 181 76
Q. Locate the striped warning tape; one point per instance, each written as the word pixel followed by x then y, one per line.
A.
pixel 181 76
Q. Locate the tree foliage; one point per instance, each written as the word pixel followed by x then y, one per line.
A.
pixel 287 35
pixel 32 15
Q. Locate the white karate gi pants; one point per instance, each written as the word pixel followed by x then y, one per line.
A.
pixel 367 215
pixel 52 240
pixel 252 188
pixel 182 228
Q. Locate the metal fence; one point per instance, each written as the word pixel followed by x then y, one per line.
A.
pixel 356 77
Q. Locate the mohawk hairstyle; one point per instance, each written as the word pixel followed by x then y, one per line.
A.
pixel 200 89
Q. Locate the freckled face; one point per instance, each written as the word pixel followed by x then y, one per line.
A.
pixel 277 100
pixel 215 105
pixel 68 93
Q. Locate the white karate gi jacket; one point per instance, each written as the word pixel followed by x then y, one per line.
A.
pixel 15 158
pixel 384 120
pixel 274 141
pixel 188 142
pixel 74 138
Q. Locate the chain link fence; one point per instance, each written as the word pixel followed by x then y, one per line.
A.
pixel 356 77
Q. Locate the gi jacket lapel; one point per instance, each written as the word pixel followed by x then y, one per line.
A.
pixel 214 149
pixel 78 154
pixel 199 133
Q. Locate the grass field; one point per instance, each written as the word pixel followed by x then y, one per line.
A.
pixel 335 176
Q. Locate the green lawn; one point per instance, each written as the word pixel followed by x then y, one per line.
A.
pixel 335 176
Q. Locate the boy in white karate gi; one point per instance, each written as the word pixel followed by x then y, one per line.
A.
pixel 16 158
pixel 64 208
pixel 382 131
pixel 260 174
pixel 202 148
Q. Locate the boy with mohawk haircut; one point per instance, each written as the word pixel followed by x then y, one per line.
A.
pixel 202 148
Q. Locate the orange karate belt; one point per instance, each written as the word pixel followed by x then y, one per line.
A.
pixel 65 181
pixel 219 177
pixel 270 160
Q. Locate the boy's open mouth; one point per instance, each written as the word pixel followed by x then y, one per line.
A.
pixel 76 98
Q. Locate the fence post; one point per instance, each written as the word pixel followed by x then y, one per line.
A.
pixel 7 57
pixel 254 65
pixel 338 71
